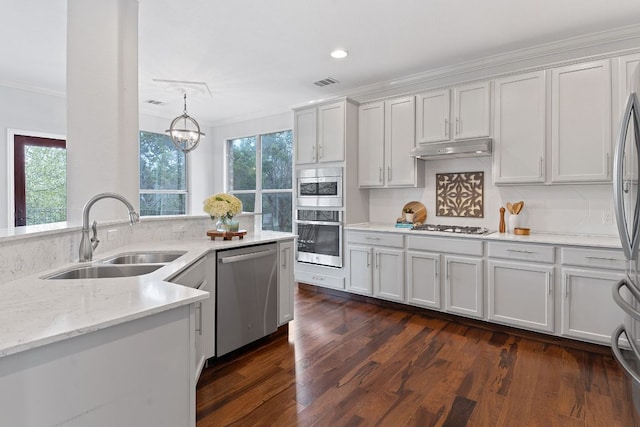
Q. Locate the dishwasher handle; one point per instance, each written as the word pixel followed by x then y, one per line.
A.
pixel 244 257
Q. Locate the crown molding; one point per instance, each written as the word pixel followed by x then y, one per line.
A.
pixel 35 89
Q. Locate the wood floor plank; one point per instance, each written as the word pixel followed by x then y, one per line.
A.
pixel 351 363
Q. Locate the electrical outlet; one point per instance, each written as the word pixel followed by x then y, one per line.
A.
pixel 607 217
pixel 112 234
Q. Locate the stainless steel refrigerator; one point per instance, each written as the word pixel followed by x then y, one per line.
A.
pixel 625 341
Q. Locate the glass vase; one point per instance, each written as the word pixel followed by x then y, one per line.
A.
pixel 227 224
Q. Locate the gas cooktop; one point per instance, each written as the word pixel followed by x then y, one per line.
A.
pixel 460 229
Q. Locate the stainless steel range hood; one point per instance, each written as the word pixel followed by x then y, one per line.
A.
pixel 453 149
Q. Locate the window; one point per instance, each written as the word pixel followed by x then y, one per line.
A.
pixel 40 180
pixel 260 173
pixel 163 176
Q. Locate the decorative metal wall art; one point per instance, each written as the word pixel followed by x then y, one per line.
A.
pixel 460 194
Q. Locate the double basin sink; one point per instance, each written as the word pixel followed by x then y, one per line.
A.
pixel 122 265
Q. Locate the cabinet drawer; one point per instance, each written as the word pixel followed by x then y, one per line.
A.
pixel 599 258
pixel 376 239
pixel 525 252
pixel 451 245
pixel 320 279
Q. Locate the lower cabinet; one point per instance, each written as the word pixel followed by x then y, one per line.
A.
pixel 463 286
pixel 286 282
pixel 423 279
pixel 521 295
pixel 588 310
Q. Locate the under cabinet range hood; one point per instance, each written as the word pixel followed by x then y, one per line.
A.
pixel 453 149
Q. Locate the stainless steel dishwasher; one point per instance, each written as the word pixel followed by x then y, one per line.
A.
pixel 246 295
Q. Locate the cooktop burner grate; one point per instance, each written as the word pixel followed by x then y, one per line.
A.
pixel 460 229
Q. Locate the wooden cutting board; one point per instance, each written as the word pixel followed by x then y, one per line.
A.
pixel 419 212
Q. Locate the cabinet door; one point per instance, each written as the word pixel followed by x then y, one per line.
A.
pixel 471 106
pixel 389 274
pixel 432 116
pixel 359 269
pixel 423 279
pixel 286 282
pixel 371 145
pixel 400 138
pixel 464 286
pixel 521 295
pixel 519 129
pixel 331 132
pixel 629 68
pixel 588 310
pixel 581 122
pixel 304 135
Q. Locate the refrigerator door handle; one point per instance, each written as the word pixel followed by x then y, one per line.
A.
pixel 629 241
pixel 617 353
pixel 624 305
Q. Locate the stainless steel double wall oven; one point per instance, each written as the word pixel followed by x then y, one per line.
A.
pixel 319 215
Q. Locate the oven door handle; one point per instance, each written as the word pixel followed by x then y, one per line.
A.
pixel 336 223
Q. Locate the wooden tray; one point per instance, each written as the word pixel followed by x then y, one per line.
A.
pixel 226 235
pixel 419 212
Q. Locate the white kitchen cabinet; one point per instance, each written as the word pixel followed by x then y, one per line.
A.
pixel 388 274
pixel 375 264
pixel 628 68
pixel 394 138
pixel 521 294
pixel 201 275
pixel 371 145
pixel 320 133
pixel 286 282
pixel 359 269
pixel 464 286
pixel 432 116
pixel 519 129
pixel 588 310
pixel 423 279
pixel 581 123
pixel 471 110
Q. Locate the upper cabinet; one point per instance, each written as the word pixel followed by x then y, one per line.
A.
pixel 319 133
pixel 519 129
pixel 470 112
pixel 432 116
pixel 471 106
pixel 386 136
pixel 581 123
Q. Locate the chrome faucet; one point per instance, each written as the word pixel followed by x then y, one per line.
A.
pixel 88 244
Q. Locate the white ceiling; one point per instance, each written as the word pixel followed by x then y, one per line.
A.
pixel 262 56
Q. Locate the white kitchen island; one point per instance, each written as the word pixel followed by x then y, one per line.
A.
pixel 104 352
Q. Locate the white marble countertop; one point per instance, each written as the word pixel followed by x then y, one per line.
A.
pixel 36 312
pixel 609 242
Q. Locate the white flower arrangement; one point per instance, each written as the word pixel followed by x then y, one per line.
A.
pixel 222 205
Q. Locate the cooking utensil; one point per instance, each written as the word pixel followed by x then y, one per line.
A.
pixel 510 208
pixel 517 207
pixel 419 212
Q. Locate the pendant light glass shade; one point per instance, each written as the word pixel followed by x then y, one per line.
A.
pixel 185 131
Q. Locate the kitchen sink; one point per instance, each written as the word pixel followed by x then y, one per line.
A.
pixel 105 271
pixel 144 257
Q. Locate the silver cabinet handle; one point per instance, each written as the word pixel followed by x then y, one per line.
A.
pixel 602 258
pixel 198 306
pixel 457 126
pixel 320 151
pixel 318 278
pixel 377 260
pixel 388 173
pixel 446 128
pixel 284 258
pixel 313 152
pixel 607 164
pixel 520 251
pixel 565 283
pixel 540 167
pixel 437 264
pixel 380 175
pixel 549 278
pixel 372 238
pixel 368 259
pixel 617 353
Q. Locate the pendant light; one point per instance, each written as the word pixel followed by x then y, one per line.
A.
pixel 185 131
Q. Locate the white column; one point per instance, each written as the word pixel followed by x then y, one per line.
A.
pixel 102 106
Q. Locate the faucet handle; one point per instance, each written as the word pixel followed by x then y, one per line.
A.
pixel 94 239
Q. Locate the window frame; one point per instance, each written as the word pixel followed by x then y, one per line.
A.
pixel 258 190
pixel 187 182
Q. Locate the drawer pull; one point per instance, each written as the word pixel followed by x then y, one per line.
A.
pixel 602 258
pixel 372 238
pixel 520 251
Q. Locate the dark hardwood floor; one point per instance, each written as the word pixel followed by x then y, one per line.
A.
pixel 351 363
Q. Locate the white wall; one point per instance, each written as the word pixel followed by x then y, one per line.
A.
pixel 27 111
pixel 563 208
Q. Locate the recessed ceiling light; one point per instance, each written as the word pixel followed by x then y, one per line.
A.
pixel 339 54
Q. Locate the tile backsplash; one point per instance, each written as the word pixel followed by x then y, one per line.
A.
pixel 571 209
